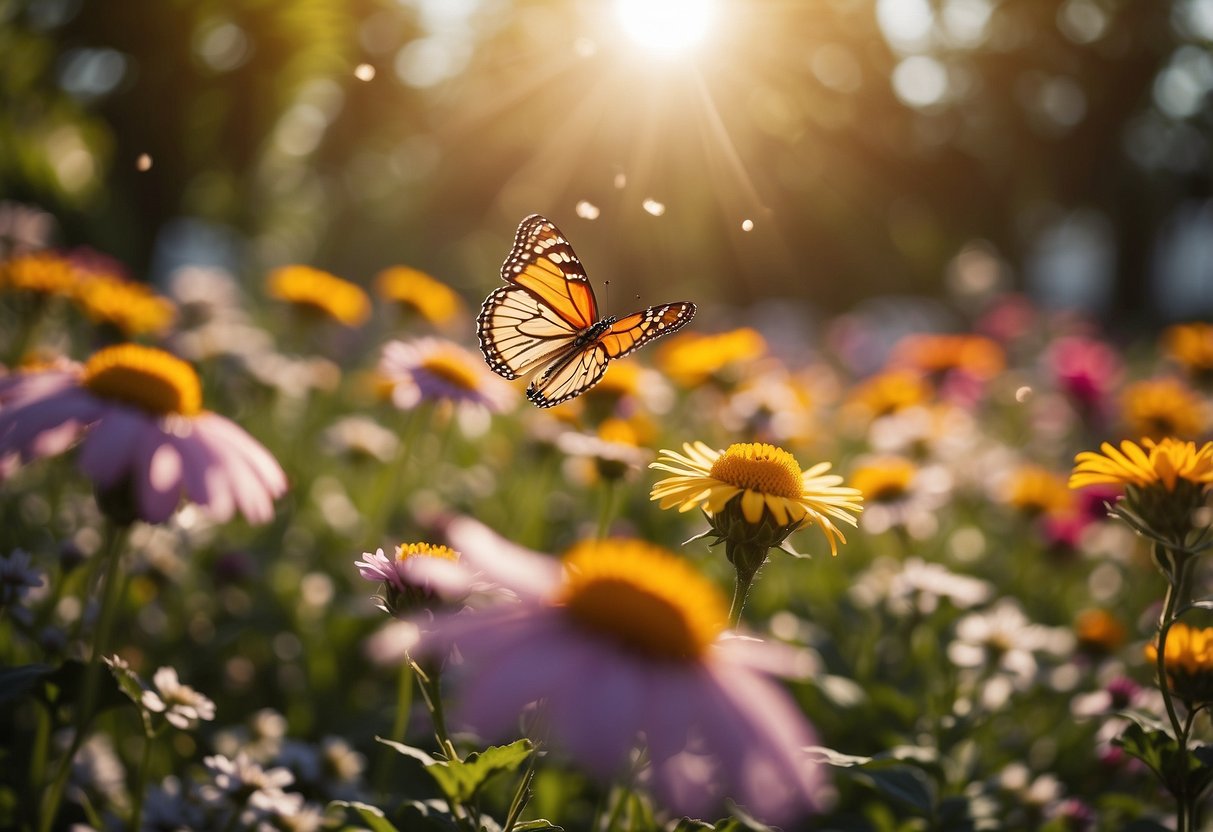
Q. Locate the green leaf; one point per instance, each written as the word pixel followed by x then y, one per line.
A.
pixel 533 825
pixel 1154 747
pixel 409 751
pixel 690 825
pixel 372 816
pixel 461 780
pixel 887 774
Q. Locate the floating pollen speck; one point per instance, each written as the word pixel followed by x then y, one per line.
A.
pixel 584 48
pixel 143 162
pixel 747 225
pixel 1023 394
pixel 364 72
pixel 653 207
pixel 587 210
pixel 621 181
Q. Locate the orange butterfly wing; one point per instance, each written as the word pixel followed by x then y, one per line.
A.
pixel 544 322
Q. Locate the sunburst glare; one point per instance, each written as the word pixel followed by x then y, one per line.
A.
pixel 667 27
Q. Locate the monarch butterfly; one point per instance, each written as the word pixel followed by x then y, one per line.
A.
pixel 545 323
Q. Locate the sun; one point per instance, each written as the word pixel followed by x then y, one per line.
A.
pixel 667 27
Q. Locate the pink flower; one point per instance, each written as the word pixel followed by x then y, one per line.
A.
pixel 622 643
pixel 1085 369
pixel 147 442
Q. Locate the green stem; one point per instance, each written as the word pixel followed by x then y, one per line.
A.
pixel 617 800
pixel 741 589
pixel 145 759
pixel 522 796
pixel 607 510
pixel 110 600
pixel 400 723
pixel 1175 592
pixel 431 691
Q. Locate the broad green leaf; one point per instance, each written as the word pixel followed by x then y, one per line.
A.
pixel 1155 748
pixel 372 816
pixel 409 751
pixel 461 780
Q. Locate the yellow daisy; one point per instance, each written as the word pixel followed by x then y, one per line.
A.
pixel 890 392
pixel 322 292
pixel 1191 347
pixel 767 482
pixel 1036 490
pixel 1188 659
pixel 690 359
pixel 412 289
pixel 1163 407
pixel 1167 463
pixel 131 307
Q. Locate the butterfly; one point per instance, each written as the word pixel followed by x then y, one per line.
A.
pixel 544 323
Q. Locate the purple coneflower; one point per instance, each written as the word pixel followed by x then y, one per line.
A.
pixel 438 370
pixel 146 439
pixel 623 642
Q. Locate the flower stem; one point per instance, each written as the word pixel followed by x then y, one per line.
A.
pixel 1174 596
pixel 607 511
pixel 431 692
pixel 522 796
pixel 145 758
pixel 741 589
pixel 404 703
pixel 111 597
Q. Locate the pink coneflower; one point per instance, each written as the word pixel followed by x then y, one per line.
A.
pixel 417 575
pixel 437 370
pixel 146 439
pixel 621 643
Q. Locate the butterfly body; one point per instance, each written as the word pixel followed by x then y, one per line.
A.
pixel 544 322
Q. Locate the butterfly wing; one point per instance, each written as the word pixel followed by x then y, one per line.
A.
pixel 570 375
pixel 632 332
pixel 546 305
pixel 580 369
pixel 543 262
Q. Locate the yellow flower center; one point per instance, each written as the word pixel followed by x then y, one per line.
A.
pixel 642 596
pixel 145 377
pixel 762 468
pixel 425 550
pixel 451 369
pixel 884 481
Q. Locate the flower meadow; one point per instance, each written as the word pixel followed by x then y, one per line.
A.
pixel 281 552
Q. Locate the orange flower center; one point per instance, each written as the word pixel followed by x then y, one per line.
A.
pixel 451 369
pixel 643 597
pixel 145 377
pixel 425 550
pixel 762 468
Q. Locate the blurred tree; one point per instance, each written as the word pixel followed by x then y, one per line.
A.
pixel 865 141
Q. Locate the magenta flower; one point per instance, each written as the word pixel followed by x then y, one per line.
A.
pixel 147 442
pixel 622 643
pixel 1086 370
